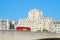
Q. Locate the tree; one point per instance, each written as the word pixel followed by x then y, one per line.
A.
pixel 38 31
pixel 45 30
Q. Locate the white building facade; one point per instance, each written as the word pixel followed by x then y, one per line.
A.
pixel 12 24
pixel 36 21
pixel 57 26
pixel 4 24
pixel 7 24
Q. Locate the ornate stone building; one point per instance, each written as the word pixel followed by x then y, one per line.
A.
pixel 36 21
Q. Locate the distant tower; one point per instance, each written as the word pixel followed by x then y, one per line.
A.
pixel 34 14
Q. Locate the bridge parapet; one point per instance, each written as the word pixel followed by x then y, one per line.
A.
pixel 14 35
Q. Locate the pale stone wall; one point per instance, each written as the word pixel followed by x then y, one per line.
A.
pixel 14 35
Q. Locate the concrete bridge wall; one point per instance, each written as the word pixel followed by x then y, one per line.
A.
pixel 14 35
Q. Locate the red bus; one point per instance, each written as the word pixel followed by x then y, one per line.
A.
pixel 22 28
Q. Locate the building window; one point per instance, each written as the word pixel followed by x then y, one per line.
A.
pixel 3 21
pixel 11 26
pixel 55 26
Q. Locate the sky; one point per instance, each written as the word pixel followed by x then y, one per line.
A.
pixel 16 9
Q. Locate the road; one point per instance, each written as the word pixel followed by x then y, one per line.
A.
pixel 15 35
